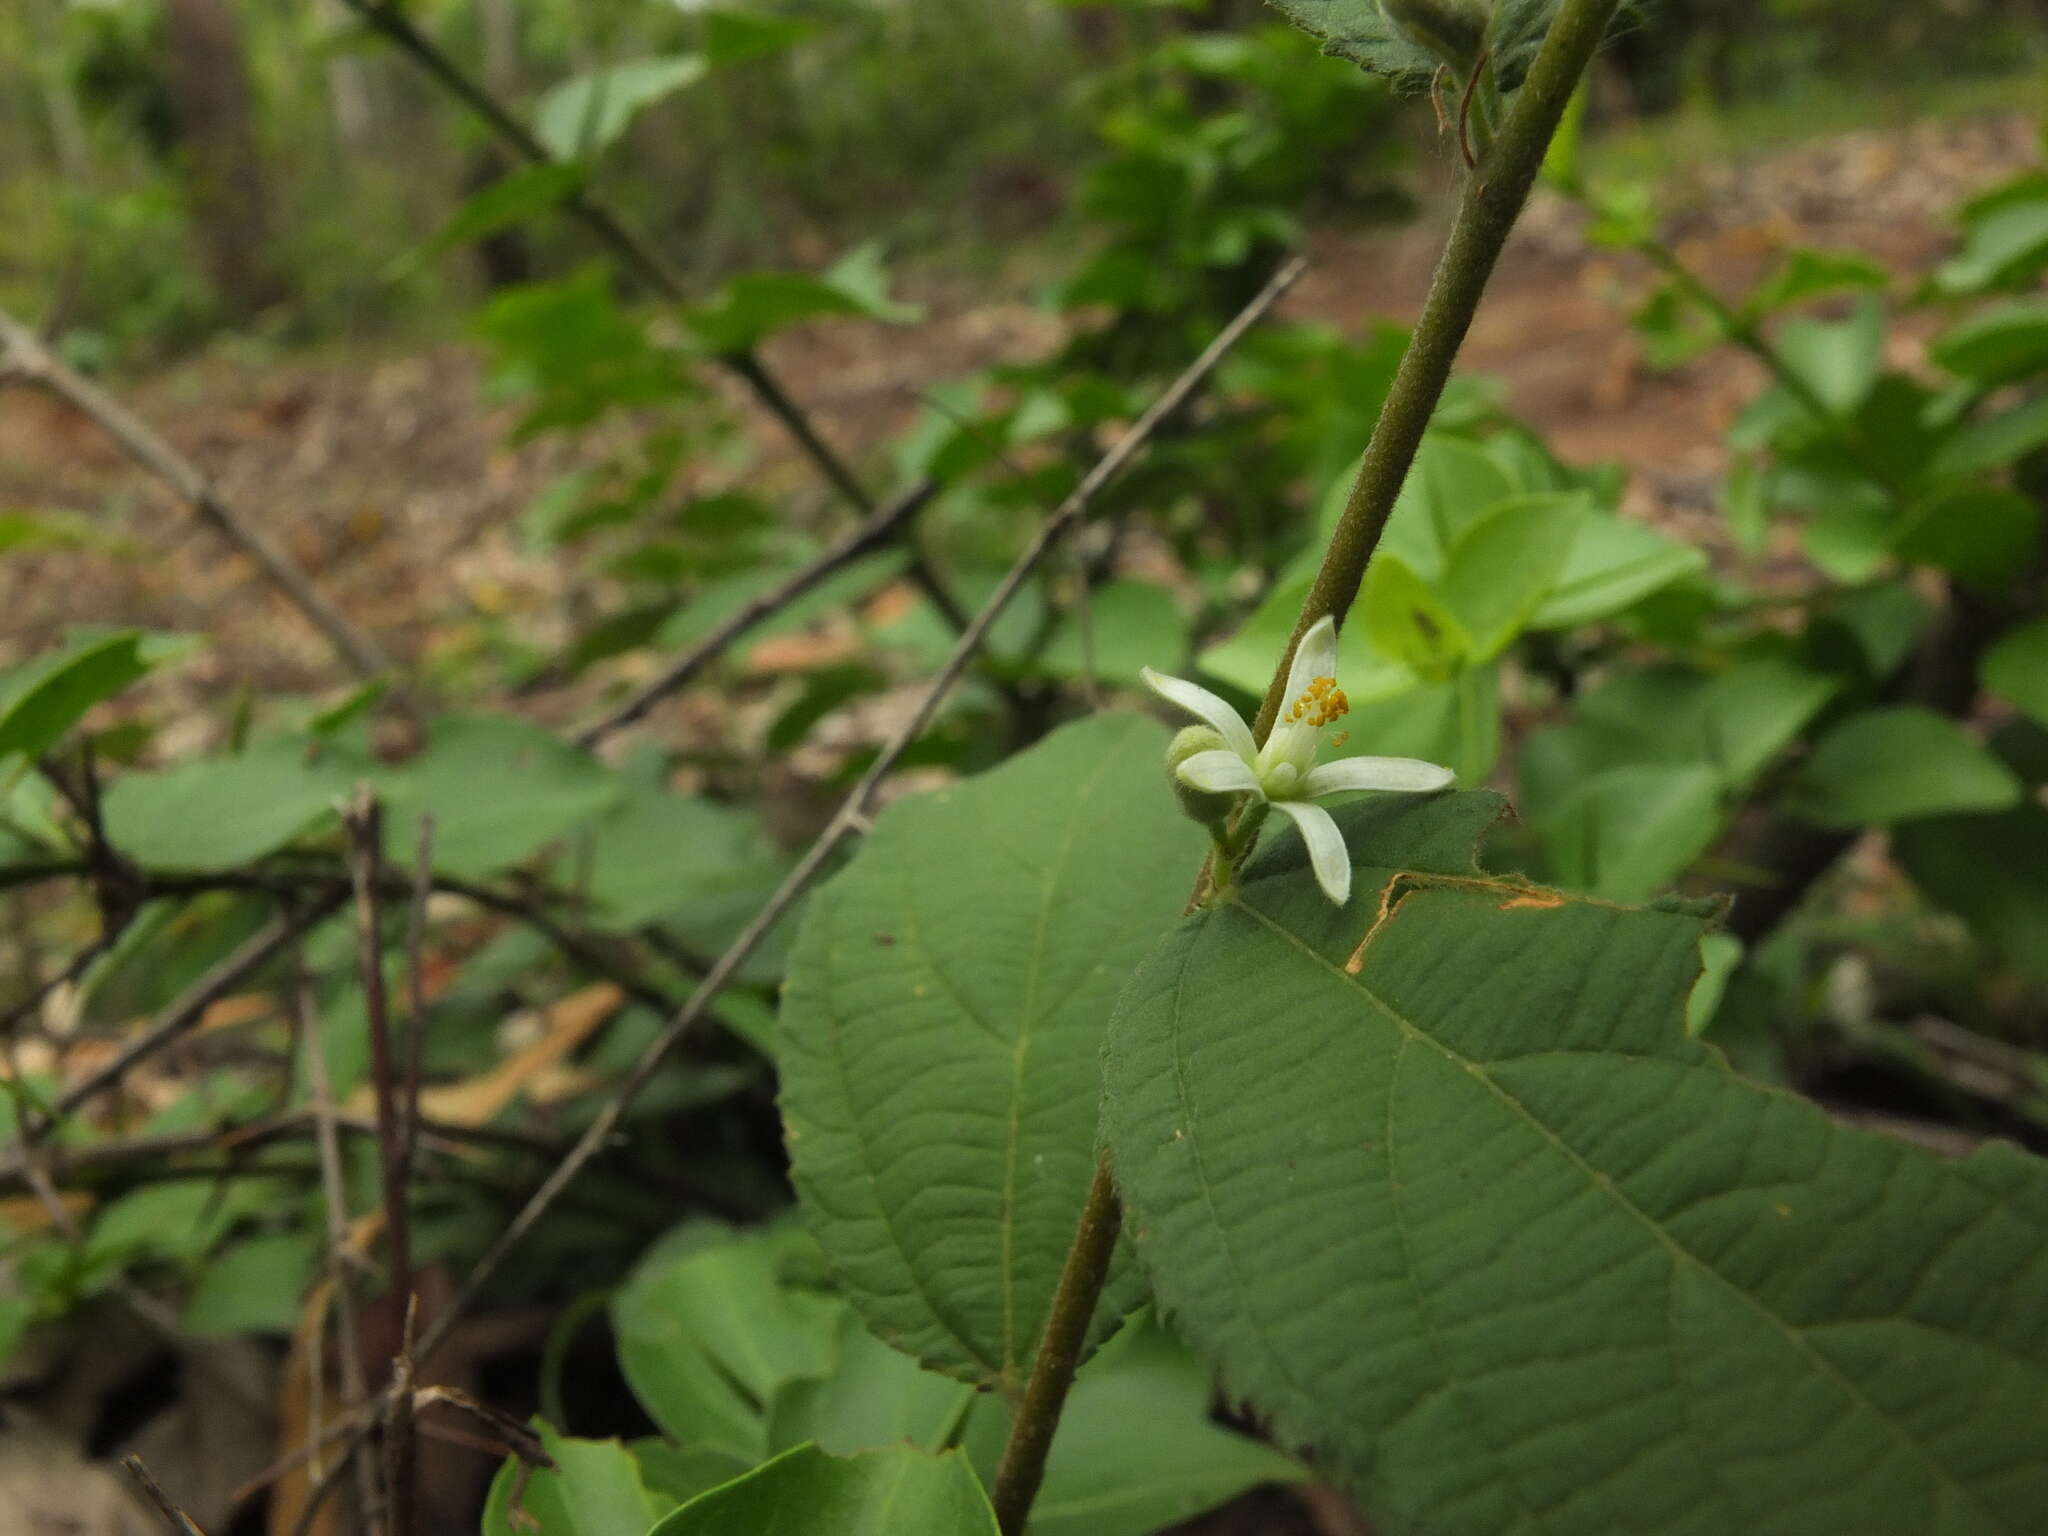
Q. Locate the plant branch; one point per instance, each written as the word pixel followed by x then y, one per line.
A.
pixel 1082 1277
pixel 850 818
pixel 23 354
pixel 334 1190
pixel 180 1523
pixel 877 530
pixel 1492 200
pixel 654 273
pixel 364 825
pixel 185 1013
pixel 1491 203
pixel 852 814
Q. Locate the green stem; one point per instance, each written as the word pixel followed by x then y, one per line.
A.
pixel 1059 1354
pixel 1492 200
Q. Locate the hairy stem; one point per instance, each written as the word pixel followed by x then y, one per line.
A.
pixel 1492 200
pixel 1059 1353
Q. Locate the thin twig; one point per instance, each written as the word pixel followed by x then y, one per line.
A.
pixel 593 952
pixel 851 813
pixel 364 825
pixel 652 271
pixel 1492 201
pixel 851 817
pixel 66 1163
pixel 416 992
pixel 24 354
pixel 871 534
pixel 182 1015
pixel 340 1268
pixel 180 1523
pixel 401 1445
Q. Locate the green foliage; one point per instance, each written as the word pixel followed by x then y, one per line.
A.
pixel 755 306
pixel 941 1028
pixel 594 1489
pixel 226 812
pixel 1897 764
pixel 735 1345
pixel 711 1328
pixel 805 1492
pixel 582 117
pixel 39 702
pixel 2016 668
pixel 541 790
pixel 1516 1255
pixel 1362 31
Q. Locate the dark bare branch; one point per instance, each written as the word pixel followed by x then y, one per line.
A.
pixel 23 355
pixel 874 532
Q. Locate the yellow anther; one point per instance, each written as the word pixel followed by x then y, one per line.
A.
pixel 1321 702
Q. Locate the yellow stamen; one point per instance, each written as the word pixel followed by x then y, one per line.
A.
pixel 1320 703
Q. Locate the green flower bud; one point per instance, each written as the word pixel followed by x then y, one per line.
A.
pixel 1211 808
pixel 1453 30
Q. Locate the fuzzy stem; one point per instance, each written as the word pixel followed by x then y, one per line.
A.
pixel 1492 200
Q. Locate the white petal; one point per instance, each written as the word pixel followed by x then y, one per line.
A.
pixel 1326 852
pixel 1219 771
pixel 1206 707
pixel 1410 774
pixel 1315 657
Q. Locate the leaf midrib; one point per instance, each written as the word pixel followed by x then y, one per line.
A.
pixel 1606 1185
pixel 1026 1020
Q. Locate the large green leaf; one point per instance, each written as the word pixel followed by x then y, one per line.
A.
pixel 1992 871
pixel 711 1325
pixel 805 1492
pixel 1894 764
pixel 699 864
pixel 1628 832
pixel 2016 668
pixel 1438 1180
pixel 1130 625
pixel 1137 1449
pixel 594 1489
pixel 1404 618
pixel 1995 441
pixel 497 787
pixel 253 1285
pixel 875 1396
pixel 1360 31
pixel 43 700
pixel 1613 564
pixel 1998 345
pixel 1983 534
pixel 1505 564
pixel 220 813
pixel 2005 246
pixel 941 1031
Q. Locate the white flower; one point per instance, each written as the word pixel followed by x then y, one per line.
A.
pixel 1284 772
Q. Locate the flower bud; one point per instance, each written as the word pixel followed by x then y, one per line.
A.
pixel 1210 807
pixel 1453 30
